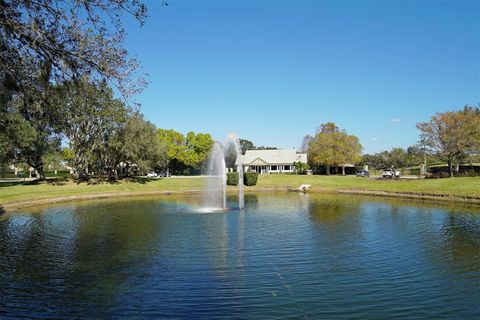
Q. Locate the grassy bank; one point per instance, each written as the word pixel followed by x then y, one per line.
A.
pixel 460 187
pixel 454 187
pixel 46 190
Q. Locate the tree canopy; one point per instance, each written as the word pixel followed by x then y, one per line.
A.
pixel 334 147
pixel 185 153
pixel 75 38
pixel 246 145
pixel 452 135
pixel 91 117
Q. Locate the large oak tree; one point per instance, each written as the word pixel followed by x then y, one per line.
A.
pixel 452 135
pixel 333 147
pixel 75 38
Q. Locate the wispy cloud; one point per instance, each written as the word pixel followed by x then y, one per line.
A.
pixel 396 120
pixel 375 139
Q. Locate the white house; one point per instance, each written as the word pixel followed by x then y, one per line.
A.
pixel 272 161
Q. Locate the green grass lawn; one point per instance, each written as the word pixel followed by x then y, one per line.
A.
pixel 25 192
pixel 451 186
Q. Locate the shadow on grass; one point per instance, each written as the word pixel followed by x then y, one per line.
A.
pixel 19 182
pixel 109 180
pixel 56 181
pixel 10 183
pixel 142 180
pixel 60 181
pixel 2 211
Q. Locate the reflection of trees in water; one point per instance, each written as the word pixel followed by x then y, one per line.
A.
pixel 111 242
pixel 330 209
pixel 78 255
pixel 461 239
pixel 277 203
pixel 398 227
pixel 446 234
pixel 339 239
pixel 251 200
pixel 28 240
pixel 34 253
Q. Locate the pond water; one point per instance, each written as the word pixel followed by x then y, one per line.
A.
pixel 287 255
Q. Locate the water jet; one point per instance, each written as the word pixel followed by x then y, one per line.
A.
pixel 216 171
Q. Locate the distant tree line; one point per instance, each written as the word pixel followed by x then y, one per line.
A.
pixel 248 145
pixel 450 137
pixel 398 158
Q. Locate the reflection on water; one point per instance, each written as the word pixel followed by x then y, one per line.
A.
pixel 287 255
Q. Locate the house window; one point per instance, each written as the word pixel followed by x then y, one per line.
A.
pixel 287 168
pixel 273 168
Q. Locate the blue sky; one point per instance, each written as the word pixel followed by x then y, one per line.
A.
pixel 273 71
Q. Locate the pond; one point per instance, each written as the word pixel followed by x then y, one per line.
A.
pixel 287 255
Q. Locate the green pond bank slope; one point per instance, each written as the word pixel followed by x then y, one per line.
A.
pixel 457 189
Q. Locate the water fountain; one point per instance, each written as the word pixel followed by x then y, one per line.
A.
pixel 215 194
pixel 232 139
pixel 215 169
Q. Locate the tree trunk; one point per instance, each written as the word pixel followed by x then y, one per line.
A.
pixel 328 170
pixel 37 165
pixel 41 174
pixel 450 168
pixel 343 170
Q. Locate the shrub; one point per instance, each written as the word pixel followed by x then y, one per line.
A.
pixel 250 178
pixel 444 175
pixel 232 178
pixel 471 173
pixel 301 168
pixel 465 173
pixel 437 175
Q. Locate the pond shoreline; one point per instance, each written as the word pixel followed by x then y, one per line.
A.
pixel 108 195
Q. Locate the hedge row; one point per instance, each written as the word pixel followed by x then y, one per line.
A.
pixel 440 175
pixel 232 178
pixel 249 178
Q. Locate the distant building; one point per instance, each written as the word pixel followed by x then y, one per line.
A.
pixel 272 161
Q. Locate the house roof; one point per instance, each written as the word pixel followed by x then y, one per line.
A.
pixel 263 157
